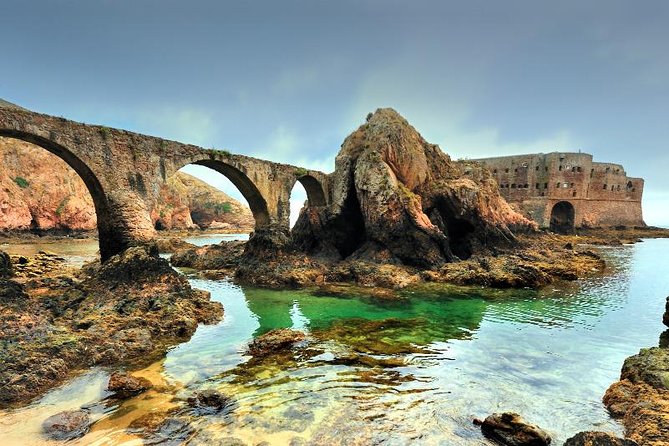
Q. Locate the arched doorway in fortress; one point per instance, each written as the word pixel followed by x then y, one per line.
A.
pixel 562 217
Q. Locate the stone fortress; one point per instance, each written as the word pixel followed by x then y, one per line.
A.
pixel 563 191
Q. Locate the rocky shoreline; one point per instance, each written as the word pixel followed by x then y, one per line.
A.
pixel 128 311
pixel 537 259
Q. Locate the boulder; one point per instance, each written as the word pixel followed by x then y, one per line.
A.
pixel 510 429
pixel 5 265
pixel 650 366
pixel 597 439
pixel 125 385
pixel 398 198
pixel 67 425
pixel 274 341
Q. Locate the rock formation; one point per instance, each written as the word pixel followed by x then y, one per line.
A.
pixel 597 439
pixel 510 429
pixel 133 306
pixel 40 191
pixel 399 199
pixel 641 397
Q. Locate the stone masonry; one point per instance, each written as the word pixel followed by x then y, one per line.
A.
pixel 124 172
pixel 563 190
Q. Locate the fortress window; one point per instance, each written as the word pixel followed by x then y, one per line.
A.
pixel 543 194
pixel 513 186
pixel 573 169
pixel 630 186
pixel 618 187
pixel 537 168
pixel 494 171
pixel 573 194
pixel 526 186
pixel 557 185
pixel 560 168
pixel 515 170
pixel 506 170
pixel 537 186
pixel 572 185
pixel 578 169
pixel 565 185
pixel 605 187
pixel 545 185
pixel 546 168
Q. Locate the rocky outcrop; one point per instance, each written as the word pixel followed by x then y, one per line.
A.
pixel 641 398
pixel 398 198
pixel 40 191
pixel 5 265
pixel 510 429
pixel 665 318
pixel 597 439
pixel 131 308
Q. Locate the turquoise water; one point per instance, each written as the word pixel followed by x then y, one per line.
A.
pixel 412 371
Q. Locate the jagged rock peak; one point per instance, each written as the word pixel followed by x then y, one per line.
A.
pixel 397 197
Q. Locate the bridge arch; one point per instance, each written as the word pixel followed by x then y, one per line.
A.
pixel 314 189
pixel 109 239
pixel 243 183
pixel 562 217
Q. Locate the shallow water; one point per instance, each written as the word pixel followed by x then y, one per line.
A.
pixel 414 371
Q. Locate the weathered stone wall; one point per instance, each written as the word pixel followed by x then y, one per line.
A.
pixel 125 172
pixel 601 193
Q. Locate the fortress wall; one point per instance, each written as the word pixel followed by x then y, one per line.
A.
pixel 602 194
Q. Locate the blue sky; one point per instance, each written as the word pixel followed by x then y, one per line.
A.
pixel 287 81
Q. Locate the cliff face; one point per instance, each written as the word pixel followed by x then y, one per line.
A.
pixel 187 202
pixel 40 191
pixel 397 198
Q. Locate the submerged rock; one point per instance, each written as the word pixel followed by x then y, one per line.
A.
pixel 275 341
pixel 67 425
pixel 397 198
pixel 164 428
pixel 597 439
pixel 210 401
pixel 510 429
pixel 125 385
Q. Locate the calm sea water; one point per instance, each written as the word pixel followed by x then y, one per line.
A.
pixel 413 371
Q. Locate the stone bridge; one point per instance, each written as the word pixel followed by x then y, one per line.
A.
pixel 125 171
